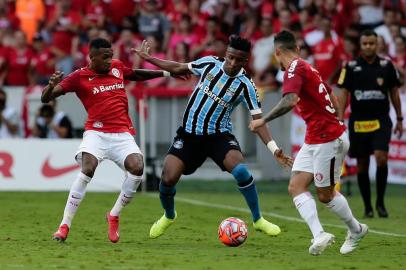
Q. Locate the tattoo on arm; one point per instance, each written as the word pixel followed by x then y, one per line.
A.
pixel 285 105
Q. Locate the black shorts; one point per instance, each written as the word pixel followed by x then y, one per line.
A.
pixel 364 144
pixel 194 149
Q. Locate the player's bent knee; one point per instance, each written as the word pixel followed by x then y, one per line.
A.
pixel 325 197
pixel 136 170
pixel 88 171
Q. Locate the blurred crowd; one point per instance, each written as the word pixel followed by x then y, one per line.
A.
pixel 38 37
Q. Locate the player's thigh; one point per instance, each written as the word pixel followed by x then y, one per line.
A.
pixel 93 143
pixel 121 146
pixel 304 160
pixel 360 143
pixel 328 160
pixel 190 150
pixel 225 151
pixel 381 138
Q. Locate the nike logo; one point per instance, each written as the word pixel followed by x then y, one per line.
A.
pixel 91 78
pixel 50 171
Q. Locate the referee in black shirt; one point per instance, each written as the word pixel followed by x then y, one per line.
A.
pixel 370 81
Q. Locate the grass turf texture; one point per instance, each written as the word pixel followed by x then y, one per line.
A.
pixel 28 220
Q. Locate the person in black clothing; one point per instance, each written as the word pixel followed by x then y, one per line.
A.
pixel 50 124
pixel 371 81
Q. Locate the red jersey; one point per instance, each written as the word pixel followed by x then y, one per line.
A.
pixel 314 106
pixel 327 56
pixel 103 96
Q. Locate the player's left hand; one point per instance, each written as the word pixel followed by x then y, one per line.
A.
pixel 143 50
pixel 284 160
pixel 256 124
pixel 399 129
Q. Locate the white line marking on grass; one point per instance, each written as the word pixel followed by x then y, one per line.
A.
pixel 294 219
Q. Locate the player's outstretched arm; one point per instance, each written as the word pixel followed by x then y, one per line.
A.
pixel 286 104
pixel 175 68
pixel 265 135
pixel 52 90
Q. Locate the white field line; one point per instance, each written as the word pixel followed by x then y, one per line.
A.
pixel 245 210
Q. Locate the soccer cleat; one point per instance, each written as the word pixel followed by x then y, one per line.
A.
pixel 160 226
pixel 113 228
pixel 266 227
pixel 382 211
pixel 61 234
pixel 321 242
pixel 352 240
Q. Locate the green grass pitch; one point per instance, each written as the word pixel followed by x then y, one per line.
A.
pixel 28 219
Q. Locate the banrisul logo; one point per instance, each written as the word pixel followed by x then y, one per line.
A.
pixel 104 88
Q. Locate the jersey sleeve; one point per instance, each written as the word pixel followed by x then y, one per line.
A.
pixel 250 97
pixel 293 78
pixel 198 66
pixel 345 78
pixel 393 76
pixel 71 82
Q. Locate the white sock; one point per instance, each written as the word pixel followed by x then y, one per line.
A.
pixel 128 190
pixel 306 206
pixel 76 194
pixel 340 207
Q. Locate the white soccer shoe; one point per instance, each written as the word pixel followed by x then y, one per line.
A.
pixel 352 240
pixel 321 242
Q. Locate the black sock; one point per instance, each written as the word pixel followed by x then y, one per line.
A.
pixel 381 181
pixel 365 189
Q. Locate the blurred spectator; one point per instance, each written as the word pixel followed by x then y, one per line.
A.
pixel 155 51
pixel 8 20
pixel 123 47
pixel 382 48
pixel 400 59
pixel 328 53
pixel 64 24
pixel 370 12
pixel 18 71
pixel 383 29
pixel 182 55
pixel 31 14
pixel 51 125
pixel 350 48
pixel 263 48
pixel 207 44
pixel 119 10
pixel 183 33
pixel 43 61
pixel 8 119
pixel 94 14
pixel 152 22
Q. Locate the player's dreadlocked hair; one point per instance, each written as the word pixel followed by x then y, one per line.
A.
pixel 239 43
pixel 285 40
pixel 99 43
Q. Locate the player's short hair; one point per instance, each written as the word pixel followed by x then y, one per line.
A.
pixel 368 32
pixel 239 43
pixel 99 43
pixel 285 40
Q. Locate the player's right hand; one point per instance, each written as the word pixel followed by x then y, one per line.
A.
pixel 284 160
pixel 143 50
pixel 55 78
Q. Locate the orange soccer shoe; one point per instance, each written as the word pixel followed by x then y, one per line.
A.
pixel 62 233
pixel 113 227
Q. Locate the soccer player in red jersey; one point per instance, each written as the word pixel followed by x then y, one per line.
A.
pixel 326 144
pixel 108 129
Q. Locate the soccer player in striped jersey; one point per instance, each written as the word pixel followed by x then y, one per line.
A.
pixel 206 128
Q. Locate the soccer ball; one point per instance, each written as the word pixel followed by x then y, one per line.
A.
pixel 233 232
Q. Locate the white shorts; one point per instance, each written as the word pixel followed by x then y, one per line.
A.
pixel 113 146
pixel 323 160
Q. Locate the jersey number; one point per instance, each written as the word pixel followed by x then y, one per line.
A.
pixel 323 89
